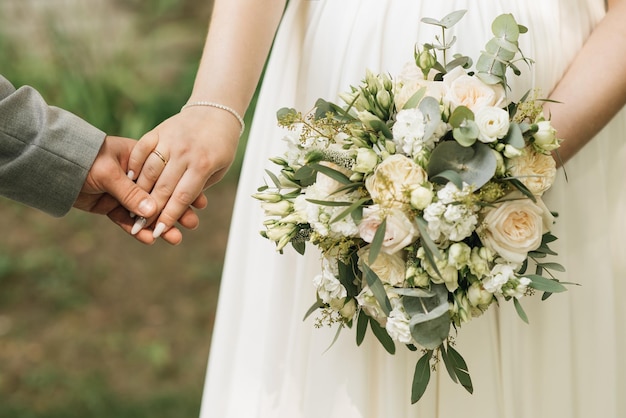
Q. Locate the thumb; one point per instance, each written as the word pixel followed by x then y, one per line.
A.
pixel 131 196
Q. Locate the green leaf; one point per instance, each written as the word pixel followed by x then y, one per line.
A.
pixel 377 288
pixel 429 317
pixel 448 363
pixel 467 134
pixel 520 310
pixel 461 369
pixel 421 377
pixel 552 266
pixel 332 173
pixel 305 175
pixel 273 178
pixel 514 136
pixel 333 203
pixel 460 115
pixel 383 337
pixel 361 327
pixel 323 107
pixel 415 99
pixel 299 246
pixel 351 209
pixel 317 305
pixel 380 126
pixel 452 19
pixel 521 187
pixel 449 176
pixel 377 242
pixel 476 164
pixel 505 26
pixel 347 276
pixel 431 21
pixel 430 246
pixel 339 328
pixel 544 284
pixel 429 107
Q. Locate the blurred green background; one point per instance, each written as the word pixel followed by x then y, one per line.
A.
pixel 93 323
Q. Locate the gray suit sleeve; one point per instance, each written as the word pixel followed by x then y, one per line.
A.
pixel 45 152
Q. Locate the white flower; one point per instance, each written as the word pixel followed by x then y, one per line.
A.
pixel 480 261
pixel 465 90
pixel 545 137
pixel 445 273
pixel 410 81
pixel 400 231
pixel 478 296
pixel 421 197
pixel 398 326
pixel 393 180
pixel 390 268
pixel 366 160
pixel 367 301
pixel 515 226
pixel 329 288
pixel 328 185
pixel 459 255
pixel 537 171
pixel 518 290
pixel 498 277
pixel 493 123
pixel 281 208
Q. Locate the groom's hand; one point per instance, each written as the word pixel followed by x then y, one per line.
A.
pixel 108 190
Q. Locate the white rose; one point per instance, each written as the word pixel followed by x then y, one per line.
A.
pixel 465 90
pixel 327 185
pixel 545 137
pixel 478 296
pixel 399 230
pixel 366 160
pixel 515 227
pixel 393 180
pixel 421 197
pixel 390 268
pixel 537 171
pixel 493 123
pixel 348 310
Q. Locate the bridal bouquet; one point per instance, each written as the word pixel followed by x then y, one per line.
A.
pixel 423 196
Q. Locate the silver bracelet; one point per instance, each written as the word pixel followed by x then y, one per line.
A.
pixel 219 106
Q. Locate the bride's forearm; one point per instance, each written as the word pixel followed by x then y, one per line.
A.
pixel 593 89
pixel 239 39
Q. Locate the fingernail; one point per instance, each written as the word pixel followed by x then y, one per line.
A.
pixel 146 206
pixel 131 214
pixel 158 230
pixel 139 225
pixel 131 174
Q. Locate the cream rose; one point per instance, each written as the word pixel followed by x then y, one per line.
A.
pixel 399 230
pixel 393 181
pixel 515 226
pixel 465 90
pixel 328 185
pixel 493 123
pixel 537 171
pixel 390 268
pixel 405 90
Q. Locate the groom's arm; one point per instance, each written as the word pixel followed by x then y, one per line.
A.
pixel 45 152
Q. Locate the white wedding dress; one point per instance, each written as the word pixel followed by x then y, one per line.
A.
pixel 265 361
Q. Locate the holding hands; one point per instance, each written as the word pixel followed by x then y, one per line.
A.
pixel 180 158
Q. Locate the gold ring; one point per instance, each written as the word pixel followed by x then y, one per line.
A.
pixel 158 154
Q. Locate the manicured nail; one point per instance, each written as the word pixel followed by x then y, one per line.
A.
pixel 140 223
pixel 131 214
pixel 158 230
pixel 131 174
pixel 146 206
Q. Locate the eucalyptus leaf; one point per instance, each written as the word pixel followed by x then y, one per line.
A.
pixel 381 334
pixel 459 115
pixel 317 305
pixel 305 175
pixel 377 242
pixel 431 21
pixel 429 317
pixel 452 19
pixel 544 284
pixel 514 136
pixel 421 377
pixel 377 288
pixel 448 363
pixel 552 266
pixel 461 369
pixel 429 245
pixel 505 26
pixel 361 327
pixel 448 176
pixel 323 107
pixel 520 310
pixel 274 179
pixel 299 246
pixel 415 99
pixel 380 126
pixel 332 173
pixel 476 165
pixel 339 328
pixel 332 203
pixel 413 292
pixel 350 210
pixel 467 134
pixel 429 106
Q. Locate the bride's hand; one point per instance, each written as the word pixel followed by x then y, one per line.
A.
pixel 181 157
